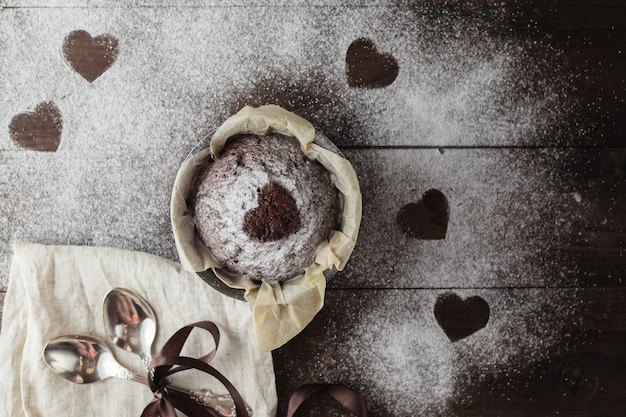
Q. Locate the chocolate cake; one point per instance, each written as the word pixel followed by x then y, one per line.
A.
pixel 262 208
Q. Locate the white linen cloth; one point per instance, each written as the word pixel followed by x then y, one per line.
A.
pixel 58 290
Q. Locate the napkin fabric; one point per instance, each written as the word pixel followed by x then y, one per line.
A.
pixel 58 290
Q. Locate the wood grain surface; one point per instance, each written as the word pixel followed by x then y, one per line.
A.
pixel 532 224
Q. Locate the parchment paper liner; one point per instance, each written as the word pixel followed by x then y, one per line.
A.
pixel 280 309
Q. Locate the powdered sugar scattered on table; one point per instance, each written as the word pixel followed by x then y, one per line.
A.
pixel 462 82
pixel 125 134
pixel 403 354
pixel 388 346
pixel 511 210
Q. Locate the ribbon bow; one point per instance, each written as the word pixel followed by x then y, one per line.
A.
pixel 169 362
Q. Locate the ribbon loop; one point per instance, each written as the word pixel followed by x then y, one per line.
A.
pixel 345 396
pixel 168 362
pixel 175 343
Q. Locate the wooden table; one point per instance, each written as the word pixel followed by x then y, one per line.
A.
pixel 488 279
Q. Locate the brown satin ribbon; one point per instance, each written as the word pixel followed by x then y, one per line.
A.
pixel 347 397
pixel 168 362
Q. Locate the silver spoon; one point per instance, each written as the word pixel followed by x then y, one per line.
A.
pixel 130 323
pixel 84 360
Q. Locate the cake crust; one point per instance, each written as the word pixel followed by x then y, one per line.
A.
pixel 263 208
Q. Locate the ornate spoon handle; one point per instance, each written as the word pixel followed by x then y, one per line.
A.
pixel 222 403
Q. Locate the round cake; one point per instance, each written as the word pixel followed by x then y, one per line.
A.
pixel 263 208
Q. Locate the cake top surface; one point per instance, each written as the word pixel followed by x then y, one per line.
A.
pixel 262 208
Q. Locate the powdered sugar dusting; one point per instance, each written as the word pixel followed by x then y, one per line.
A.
pixel 182 71
pixel 510 213
pixel 402 361
pixel 229 190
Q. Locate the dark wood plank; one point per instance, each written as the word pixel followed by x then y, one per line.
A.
pixel 281 4
pixel 548 352
pixel 592 42
pixel 503 76
pixel 111 4
pixel 517 218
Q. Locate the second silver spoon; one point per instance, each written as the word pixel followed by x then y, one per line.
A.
pixel 131 324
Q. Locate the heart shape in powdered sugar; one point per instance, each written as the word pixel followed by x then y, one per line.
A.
pixel 460 318
pixel 90 56
pixel 426 218
pixel 39 130
pixel 276 216
pixel 368 68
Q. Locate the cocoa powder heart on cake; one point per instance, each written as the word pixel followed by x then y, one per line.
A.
pixel 276 216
